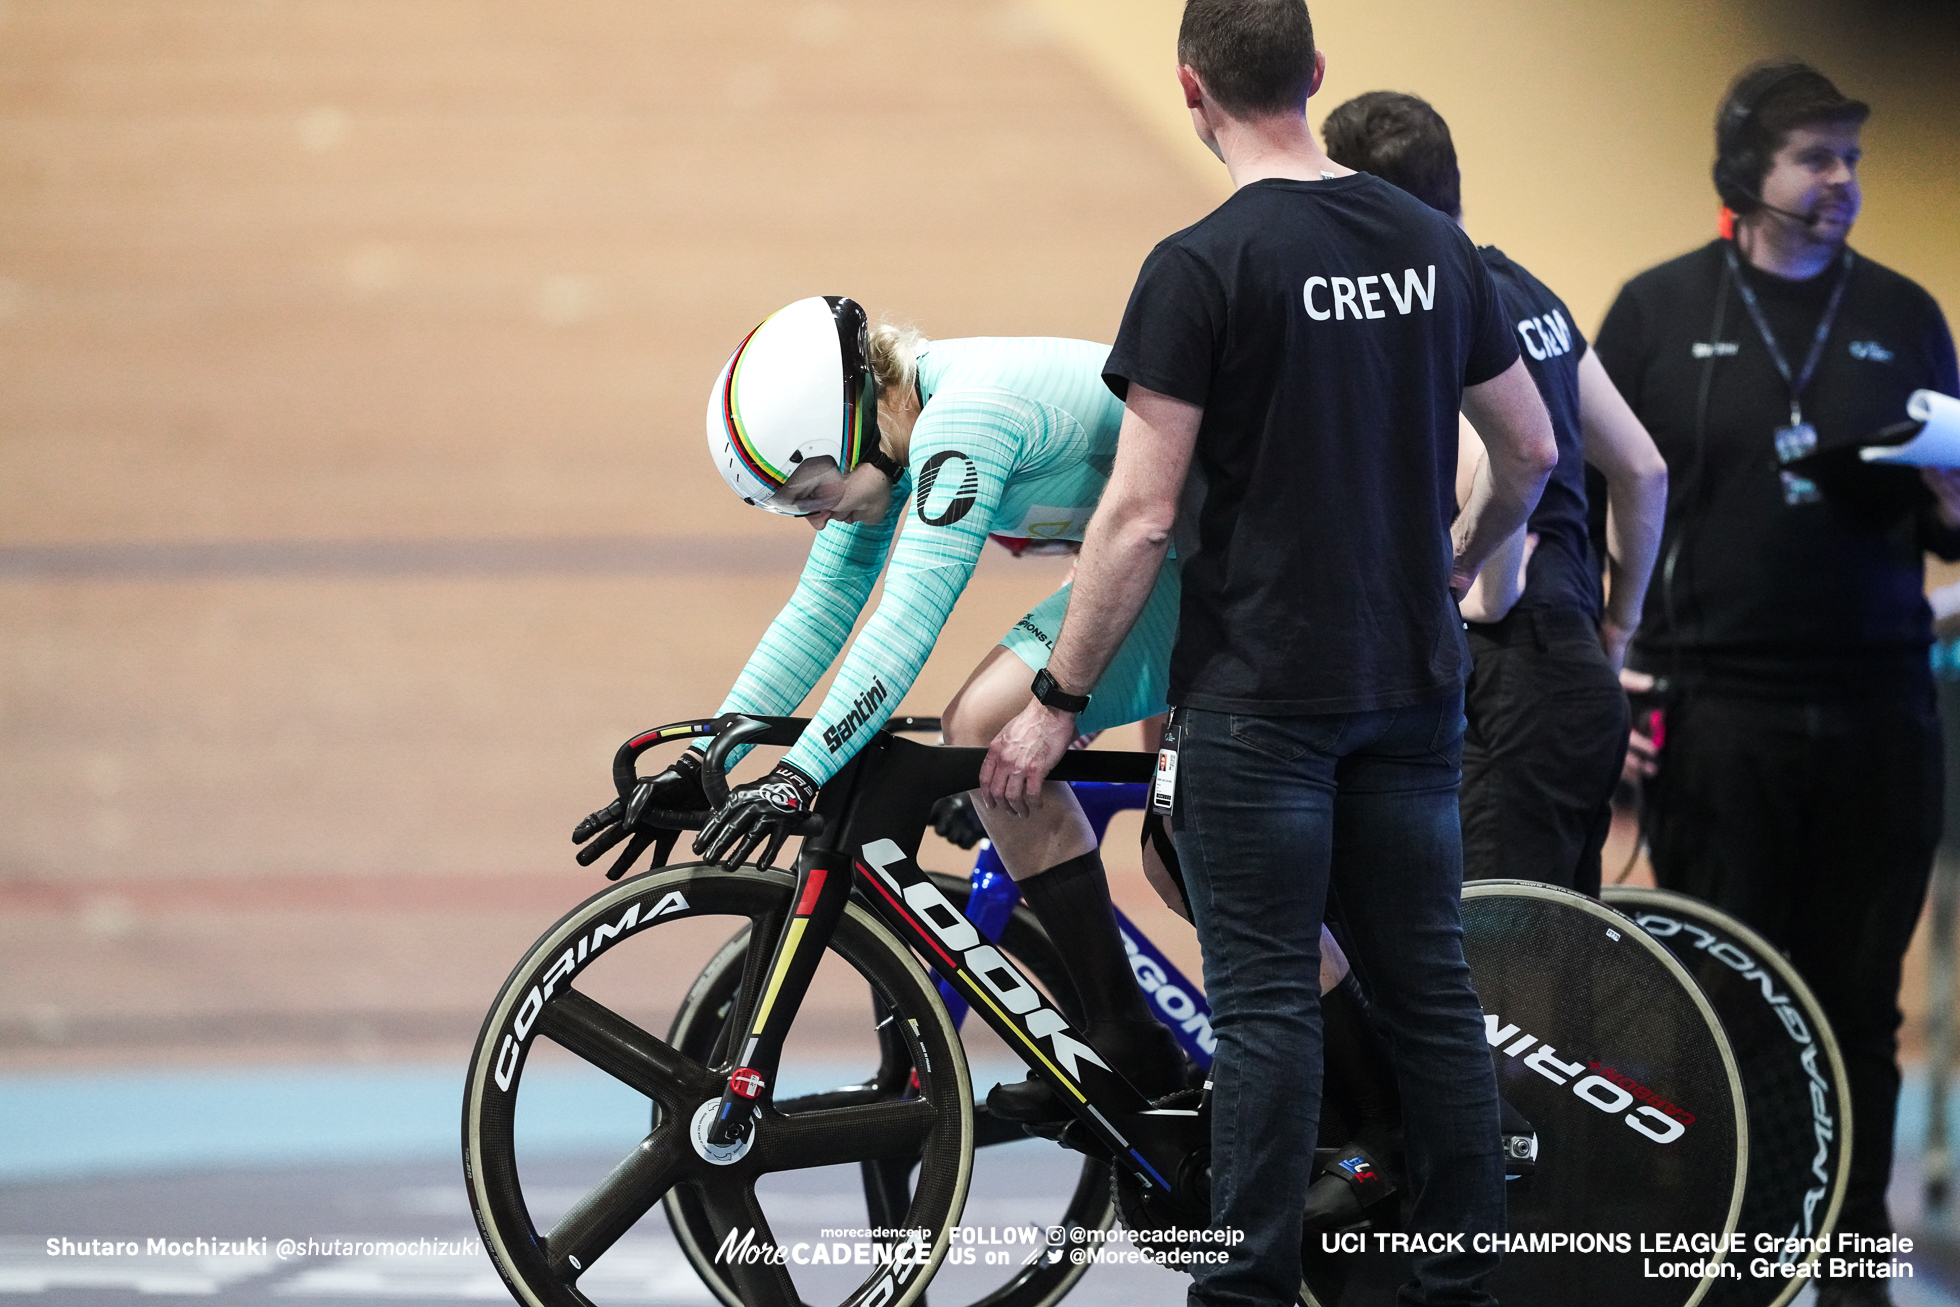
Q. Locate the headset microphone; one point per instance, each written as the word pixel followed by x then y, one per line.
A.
pixel 1810 219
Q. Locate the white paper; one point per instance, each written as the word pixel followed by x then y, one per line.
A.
pixel 1936 445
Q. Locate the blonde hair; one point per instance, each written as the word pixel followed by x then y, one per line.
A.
pixel 893 355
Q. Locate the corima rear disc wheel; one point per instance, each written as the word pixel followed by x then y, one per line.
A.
pixel 582 1003
pixel 1009 1168
pixel 1604 1043
pixel 1799 1128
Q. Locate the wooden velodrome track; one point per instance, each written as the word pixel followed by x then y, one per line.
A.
pixel 356 503
pixel 353 503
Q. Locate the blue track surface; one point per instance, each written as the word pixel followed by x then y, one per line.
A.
pixel 54 1127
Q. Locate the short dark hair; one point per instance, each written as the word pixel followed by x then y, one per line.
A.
pixel 1254 56
pixel 1763 104
pixel 1402 140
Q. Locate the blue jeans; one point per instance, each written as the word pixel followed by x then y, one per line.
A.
pixel 1270 812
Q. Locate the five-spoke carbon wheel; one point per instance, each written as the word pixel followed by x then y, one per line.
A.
pixel 1035 1275
pixel 588 993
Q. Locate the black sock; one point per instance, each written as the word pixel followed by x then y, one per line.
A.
pixel 1072 900
pixel 1358 1059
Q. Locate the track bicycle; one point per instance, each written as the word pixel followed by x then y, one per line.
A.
pixel 993 904
pixel 1563 979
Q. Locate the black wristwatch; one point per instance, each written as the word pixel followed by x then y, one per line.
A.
pixel 1051 695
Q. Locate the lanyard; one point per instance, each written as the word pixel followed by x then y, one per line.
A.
pixel 1797 383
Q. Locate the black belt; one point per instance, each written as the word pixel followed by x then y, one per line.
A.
pixel 1537 626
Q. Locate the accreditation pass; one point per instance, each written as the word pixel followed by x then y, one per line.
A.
pixel 1163 786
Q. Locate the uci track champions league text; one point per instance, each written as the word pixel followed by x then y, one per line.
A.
pixel 1672 1256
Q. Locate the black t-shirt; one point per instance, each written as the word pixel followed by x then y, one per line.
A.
pixel 1328 328
pixel 1563 572
pixel 1809 599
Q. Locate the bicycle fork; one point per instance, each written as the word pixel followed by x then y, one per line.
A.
pixel 823 888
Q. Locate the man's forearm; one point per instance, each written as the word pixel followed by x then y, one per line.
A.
pixel 1498 509
pixel 1634 513
pixel 1120 559
pixel 1636 490
pixel 1114 574
pixel 1500 584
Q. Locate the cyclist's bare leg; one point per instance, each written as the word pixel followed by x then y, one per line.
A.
pixel 1053 856
pixel 1050 834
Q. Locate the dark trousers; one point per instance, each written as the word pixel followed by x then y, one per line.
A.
pixel 1270 812
pixel 1548 730
pixel 1814 822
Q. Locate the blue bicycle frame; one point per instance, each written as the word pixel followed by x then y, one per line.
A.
pixel 1177 1002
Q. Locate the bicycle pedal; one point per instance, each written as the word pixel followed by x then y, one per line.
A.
pixel 1031 1102
pixel 1083 1140
pixel 1071 1134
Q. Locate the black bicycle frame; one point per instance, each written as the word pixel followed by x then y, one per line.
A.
pixel 873 814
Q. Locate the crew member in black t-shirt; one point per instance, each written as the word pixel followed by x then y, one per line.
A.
pixel 1548 719
pixel 1302 354
pixel 1799 781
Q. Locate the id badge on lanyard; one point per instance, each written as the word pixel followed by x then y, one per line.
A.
pixel 1163 786
pixel 1797 439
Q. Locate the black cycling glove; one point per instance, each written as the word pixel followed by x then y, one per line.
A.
pixel 678 789
pixel 956 821
pixel 769 811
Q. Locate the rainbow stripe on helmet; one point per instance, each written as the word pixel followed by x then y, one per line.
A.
pixel 855 434
pixel 731 418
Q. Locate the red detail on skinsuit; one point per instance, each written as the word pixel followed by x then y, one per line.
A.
pixel 808 903
pixel 1725 223
pixel 746 1082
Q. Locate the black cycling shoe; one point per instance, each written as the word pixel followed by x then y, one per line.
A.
pixel 1030 1102
pixel 1143 1053
pixel 1351 1182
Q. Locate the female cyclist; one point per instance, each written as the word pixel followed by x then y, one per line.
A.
pixel 854 428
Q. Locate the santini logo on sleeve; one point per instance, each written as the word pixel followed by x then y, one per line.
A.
pixel 1363 297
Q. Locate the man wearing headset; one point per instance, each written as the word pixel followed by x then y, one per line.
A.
pixel 1799 781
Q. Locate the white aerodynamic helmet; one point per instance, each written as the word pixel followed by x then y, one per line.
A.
pixel 795 406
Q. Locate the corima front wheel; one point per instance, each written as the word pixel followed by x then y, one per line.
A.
pixel 566 1064
pixel 1021 1185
